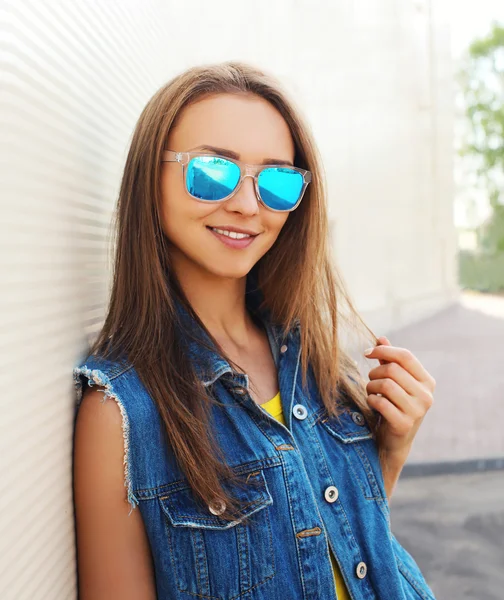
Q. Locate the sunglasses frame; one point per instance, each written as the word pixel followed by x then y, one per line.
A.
pixel 246 170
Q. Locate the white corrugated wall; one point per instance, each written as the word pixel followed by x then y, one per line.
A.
pixel 374 79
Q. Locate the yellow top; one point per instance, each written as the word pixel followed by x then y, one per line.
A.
pixel 274 407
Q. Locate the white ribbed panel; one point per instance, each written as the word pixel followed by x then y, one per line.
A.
pixel 373 79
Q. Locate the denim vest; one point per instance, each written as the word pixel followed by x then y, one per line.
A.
pixel 317 482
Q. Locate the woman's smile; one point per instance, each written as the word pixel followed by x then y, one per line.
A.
pixel 232 239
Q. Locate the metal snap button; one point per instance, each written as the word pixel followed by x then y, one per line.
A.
pixel 217 507
pixel 299 411
pixel 358 418
pixel 361 570
pixel 283 348
pixel 331 493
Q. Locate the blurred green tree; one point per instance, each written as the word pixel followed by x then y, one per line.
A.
pixel 482 79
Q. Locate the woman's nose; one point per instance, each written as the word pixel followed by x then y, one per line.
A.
pixel 245 199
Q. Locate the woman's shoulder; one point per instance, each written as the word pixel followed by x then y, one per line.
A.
pixel 95 366
pixel 119 380
pixel 100 423
pixel 124 404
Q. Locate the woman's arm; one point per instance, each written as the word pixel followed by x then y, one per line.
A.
pixel 392 466
pixel 113 553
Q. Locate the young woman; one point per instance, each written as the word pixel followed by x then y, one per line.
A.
pixel 256 461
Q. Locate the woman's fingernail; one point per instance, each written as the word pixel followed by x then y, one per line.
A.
pixel 368 351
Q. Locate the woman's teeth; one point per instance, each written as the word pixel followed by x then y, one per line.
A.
pixel 231 234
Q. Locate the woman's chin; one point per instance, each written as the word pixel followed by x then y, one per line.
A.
pixel 235 271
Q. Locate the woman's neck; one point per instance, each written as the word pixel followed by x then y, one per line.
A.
pixel 220 304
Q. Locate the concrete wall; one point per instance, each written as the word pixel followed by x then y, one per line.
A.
pixel 374 80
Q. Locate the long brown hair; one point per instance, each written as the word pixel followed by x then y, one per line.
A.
pixel 297 278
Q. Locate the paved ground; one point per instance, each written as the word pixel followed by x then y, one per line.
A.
pixel 463 348
pixel 453 525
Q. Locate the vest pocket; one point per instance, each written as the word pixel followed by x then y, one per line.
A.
pixel 359 447
pixel 214 558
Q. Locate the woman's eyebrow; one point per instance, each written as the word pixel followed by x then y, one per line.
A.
pixel 236 156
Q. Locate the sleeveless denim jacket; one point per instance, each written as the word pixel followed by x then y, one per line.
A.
pixel 317 482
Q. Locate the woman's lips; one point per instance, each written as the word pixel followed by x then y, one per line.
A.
pixel 232 242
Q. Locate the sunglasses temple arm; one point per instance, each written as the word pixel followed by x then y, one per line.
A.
pixel 171 156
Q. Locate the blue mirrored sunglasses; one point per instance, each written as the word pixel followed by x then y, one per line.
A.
pixel 214 178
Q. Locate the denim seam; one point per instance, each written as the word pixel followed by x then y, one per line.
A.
pixel 369 471
pixel 116 375
pixel 293 393
pixel 181 484
pixel 287 489
pixel 197 535
pixel 346 438
pixel 270 552
pixel 348 528
pixel 189 518
pixel 411 579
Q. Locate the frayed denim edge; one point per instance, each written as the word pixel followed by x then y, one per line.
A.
pixel 97 377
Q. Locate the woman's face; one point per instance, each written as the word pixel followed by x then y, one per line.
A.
pixel 255 132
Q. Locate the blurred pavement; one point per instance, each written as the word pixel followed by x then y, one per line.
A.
pixel 453 525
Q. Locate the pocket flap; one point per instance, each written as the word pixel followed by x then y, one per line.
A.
pixel 183 508
pixel 348 427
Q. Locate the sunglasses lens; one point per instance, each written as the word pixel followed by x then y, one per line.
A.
pixel 211 177
pixel 280 187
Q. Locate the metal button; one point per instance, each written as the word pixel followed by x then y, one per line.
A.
pixel 331 493
pixel 217 508
pixel 283 348
pixel 240 390
pixel 299 411
pixel 361 570
pixel 358 418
